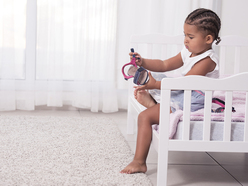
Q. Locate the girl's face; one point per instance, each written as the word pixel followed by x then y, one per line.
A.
pixel 195 41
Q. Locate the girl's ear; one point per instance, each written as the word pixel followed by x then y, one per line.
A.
pixel 209 39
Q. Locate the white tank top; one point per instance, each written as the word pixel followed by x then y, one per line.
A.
pixel 189 62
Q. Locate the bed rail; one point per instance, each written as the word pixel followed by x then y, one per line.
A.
pixel 189 83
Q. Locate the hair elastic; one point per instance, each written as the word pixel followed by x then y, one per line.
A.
pixel 218 40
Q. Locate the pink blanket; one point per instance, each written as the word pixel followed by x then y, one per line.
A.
pixel 238 116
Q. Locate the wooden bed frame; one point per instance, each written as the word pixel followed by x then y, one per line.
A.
pixel 236 82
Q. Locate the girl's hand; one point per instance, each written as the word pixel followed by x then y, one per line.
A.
pixel 151 84
pixel 138 58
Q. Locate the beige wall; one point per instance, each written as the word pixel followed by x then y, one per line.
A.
pixel 234 17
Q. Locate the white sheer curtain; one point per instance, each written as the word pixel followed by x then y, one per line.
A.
pixel 12 50
pixel 75 54
pixel 70 52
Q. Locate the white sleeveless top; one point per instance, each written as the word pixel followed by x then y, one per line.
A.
pixel 189 62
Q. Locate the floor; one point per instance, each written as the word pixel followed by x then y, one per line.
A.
pixel 185 168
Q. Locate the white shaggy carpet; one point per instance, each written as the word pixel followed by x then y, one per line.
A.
pixel 37 150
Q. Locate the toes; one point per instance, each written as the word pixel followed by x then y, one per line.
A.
pixel 124 171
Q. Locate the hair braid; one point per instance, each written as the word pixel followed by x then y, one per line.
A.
pixel 205 20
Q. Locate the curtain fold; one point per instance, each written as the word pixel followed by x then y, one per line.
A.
pixel 75 41
pixel 75 56
pixel 12 48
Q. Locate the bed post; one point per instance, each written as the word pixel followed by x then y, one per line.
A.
pixel 163 137
pixel 130 112
pixel 130 119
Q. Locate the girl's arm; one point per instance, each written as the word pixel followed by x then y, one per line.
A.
pixel 202 67
pixel 157 65
pixel 151 84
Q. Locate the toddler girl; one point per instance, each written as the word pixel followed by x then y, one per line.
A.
pixel 201 29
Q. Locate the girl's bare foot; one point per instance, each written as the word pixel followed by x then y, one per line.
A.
pixel 135 167
pixel 144 98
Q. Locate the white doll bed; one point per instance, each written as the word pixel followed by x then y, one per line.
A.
pixel 206 135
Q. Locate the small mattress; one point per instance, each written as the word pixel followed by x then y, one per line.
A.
pixel 196 131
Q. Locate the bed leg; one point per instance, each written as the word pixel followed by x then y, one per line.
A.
pixel 162 167
pixel 130 119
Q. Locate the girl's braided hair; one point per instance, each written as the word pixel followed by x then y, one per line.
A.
pixel 205 20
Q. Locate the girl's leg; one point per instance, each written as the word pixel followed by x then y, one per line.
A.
pixel 146 119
